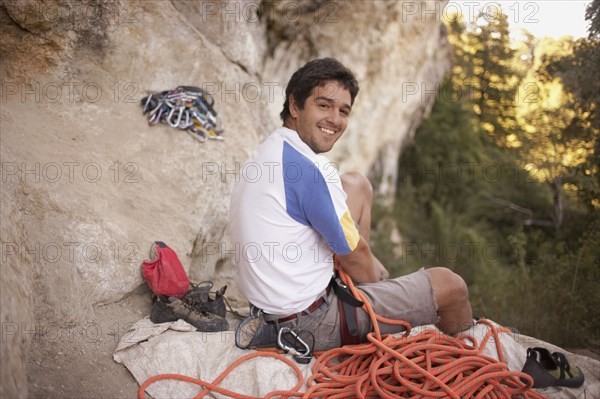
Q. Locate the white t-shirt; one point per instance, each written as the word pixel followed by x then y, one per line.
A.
pixel 288 216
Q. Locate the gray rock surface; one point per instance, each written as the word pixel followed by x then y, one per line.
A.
pixel 87 185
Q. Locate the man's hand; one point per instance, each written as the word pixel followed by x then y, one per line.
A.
pixel 361 265
pixel 381 270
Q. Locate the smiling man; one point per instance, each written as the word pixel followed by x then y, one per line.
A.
pixel 324 116
pixel 288 221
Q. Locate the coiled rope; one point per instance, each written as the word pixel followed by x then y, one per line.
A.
pixel 429 364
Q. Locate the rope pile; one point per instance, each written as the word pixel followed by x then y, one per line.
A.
pixel 427 365
pixel 187 107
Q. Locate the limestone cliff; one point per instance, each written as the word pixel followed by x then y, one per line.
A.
pixel 87 184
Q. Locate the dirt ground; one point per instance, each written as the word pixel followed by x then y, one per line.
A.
pixel 75 361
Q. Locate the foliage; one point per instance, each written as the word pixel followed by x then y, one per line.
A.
pixel 506 191
pixel 592 14
pixel 482 71
pixel 579 72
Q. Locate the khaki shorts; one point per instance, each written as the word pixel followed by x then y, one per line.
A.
pixel 408 298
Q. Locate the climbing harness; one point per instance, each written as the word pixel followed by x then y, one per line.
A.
pixel 429 364
pixel 188 108
pixel 261 332
pixel 347 308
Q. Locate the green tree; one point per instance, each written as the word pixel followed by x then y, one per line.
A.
pixel 556 136
pixel 543 141
pixel 579 73
pixel 483 60
pixel 592 15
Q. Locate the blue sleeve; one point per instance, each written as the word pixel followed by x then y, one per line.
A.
pixel 309 201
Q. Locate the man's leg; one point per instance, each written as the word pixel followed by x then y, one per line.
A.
pixel 452 298
pixel 360 200
pixel 450 291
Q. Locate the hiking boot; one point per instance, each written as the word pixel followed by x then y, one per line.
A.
pixel 175 309
pixel 202 299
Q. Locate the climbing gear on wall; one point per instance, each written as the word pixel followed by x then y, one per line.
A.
pixel 187 107
pixel 164 273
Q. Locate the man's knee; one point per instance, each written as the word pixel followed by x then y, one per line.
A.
pixel 448 287
pixel 355 183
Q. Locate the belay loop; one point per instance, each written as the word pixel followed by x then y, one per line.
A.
pixel 187 107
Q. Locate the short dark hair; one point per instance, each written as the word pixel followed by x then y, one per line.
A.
pixel 313 74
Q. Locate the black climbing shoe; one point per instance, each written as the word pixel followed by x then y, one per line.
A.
pixel 551 370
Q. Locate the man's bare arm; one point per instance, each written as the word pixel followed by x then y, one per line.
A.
pixel 360 265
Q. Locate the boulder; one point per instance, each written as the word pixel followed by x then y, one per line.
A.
pixel 87 185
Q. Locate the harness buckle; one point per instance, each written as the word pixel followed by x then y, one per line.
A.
pixel 256 312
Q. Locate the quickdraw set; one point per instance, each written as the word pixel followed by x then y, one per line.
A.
pixel 188 108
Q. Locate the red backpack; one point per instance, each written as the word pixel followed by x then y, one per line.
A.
pixel 164 274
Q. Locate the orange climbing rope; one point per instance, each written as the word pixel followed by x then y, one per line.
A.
pixel 429 364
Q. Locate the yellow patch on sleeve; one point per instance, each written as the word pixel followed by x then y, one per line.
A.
pixel 350 230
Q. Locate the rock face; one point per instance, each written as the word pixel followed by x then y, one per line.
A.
pixel 87 185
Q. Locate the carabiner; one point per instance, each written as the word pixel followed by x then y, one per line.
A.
pixel 302 357
pixel 175 113
pixel 197 134
pixel 157 114
pixel 186 122
pixel 147 103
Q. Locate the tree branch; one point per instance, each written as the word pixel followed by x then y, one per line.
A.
pixel 530 221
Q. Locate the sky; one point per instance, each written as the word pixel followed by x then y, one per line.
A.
pixel 554 18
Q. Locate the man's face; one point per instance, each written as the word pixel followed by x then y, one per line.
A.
pixel 324 117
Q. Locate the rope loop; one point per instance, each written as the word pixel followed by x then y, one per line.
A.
pixel 428 364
